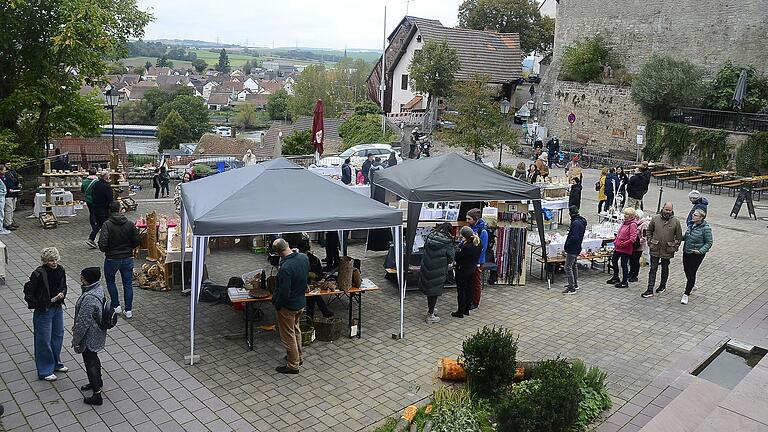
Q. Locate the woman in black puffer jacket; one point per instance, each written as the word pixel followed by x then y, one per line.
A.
pixel 438 255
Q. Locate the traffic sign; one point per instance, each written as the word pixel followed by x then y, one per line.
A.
pixel 571 118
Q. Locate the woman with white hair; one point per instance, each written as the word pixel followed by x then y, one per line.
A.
pixel 698 241
pixel 45 293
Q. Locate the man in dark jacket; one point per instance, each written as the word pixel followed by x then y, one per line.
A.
pixel 117 239
pixel 699 202
pixel 553 148
pixel 346 172
pixel 573 248
pixel 289 302
pixel 367 168
pixel 101 195
pixel 636 189
pixel 646 172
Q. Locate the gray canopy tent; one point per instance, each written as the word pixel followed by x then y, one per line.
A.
pixel 452 177
pixel 273 197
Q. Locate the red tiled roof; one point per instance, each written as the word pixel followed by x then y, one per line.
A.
pixel 95 149
pixel 212 144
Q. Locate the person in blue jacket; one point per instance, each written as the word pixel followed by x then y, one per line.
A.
pixel 478 226
pixel 699 202
pixel 573 248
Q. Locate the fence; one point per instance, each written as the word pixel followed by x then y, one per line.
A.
pixel 726 120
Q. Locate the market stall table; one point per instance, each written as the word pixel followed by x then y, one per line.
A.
pixel 240 295
pixel 58 210
pixel 326 171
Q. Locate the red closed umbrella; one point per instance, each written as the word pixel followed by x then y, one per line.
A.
pixel 318 129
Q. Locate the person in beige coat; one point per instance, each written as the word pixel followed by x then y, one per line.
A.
pixel 664 237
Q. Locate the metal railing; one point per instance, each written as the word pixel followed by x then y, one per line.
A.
pixel 727 120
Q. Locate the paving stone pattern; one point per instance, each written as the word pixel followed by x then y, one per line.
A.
pixel 353 384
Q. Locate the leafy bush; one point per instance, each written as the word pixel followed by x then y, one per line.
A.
pixel 363 129
pixel 507 169
pixel 298 144
pixel 752 155
pixel 547 403
pixel 664 83
pixel 453 411
pixel 488 357
pixel 367 107
pixel 672 139
pixel 202 170
pixel 584 60
pixel 594 395
pixel 719 94
pixel 713 149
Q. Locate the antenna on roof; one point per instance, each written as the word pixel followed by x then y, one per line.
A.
pixel 408 4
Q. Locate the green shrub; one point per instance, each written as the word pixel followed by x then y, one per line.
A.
pixel 594 395
pixel 202 170
pixel 363 129
pixel 664 83
pixel 547 403
pixel 507 169
pixel 752 155
pixel 584 60
pixel 672 139
pixel 453 410
pixel 298 144
pixel 488 357
pixel 367 107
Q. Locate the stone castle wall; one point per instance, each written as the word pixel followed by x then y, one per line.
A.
pixel 706 32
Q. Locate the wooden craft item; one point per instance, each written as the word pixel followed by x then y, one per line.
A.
pixel 153 254
pixel 451 370
pixel 357 278
pixel 344 279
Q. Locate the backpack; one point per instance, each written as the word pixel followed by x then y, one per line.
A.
pixel 108 315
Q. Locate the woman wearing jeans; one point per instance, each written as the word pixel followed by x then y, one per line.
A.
pixel 624 246
pixel 45 293
pixel 698 241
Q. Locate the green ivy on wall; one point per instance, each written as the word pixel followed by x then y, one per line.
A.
pixel 752 155
pixel 671 139
pixel 713 149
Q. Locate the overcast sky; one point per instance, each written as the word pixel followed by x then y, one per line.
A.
pixel 289 23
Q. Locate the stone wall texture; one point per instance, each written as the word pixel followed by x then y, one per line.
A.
pixel 706 32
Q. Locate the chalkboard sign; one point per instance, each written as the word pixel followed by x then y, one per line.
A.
pixel 744 195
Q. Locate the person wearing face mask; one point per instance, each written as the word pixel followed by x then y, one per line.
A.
pixel 664 235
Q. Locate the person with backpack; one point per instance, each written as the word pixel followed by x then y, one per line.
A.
pixel 477 224
pixel 45 293
pixel 92 318
pixel 165 180
pixel 117 239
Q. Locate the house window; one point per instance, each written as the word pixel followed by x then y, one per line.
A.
pixel 404 82
pixel 418 38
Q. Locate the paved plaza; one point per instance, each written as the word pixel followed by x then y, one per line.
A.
pixel 352 384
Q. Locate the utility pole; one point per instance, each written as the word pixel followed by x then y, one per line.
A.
pixel 383 84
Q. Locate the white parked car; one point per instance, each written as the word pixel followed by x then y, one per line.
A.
pixel 359 153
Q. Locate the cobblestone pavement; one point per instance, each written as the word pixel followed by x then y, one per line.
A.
pixel 352 384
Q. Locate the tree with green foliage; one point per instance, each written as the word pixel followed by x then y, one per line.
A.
pixel 480 125
pixel 314 85
pixel 359 80
pixel 200 65
pixel 44 43
pixel 164 62
pixel 537 31
pixel 247 116
pixel 277 105
pixel 138 70
pixel 117 68
pixel 719 93
pixel 432 72
pixel 367 107
pixel 147 66
pixel 584 60
pixel 194 112
pixel 363 129
pixel 134 112
pixel 173 131
pixel 664 83
pixel 248 66
pixel 223 65
pixel 298 144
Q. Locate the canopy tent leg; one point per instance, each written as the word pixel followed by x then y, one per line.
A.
pixel 198 264
pixel 397 234
pixel 414 212
pixel 540 225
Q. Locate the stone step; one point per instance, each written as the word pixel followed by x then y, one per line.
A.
pixel 689 409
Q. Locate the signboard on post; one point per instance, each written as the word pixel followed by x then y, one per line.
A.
pixel 745 194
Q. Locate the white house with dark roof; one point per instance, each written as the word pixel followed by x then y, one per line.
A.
pixel 495 55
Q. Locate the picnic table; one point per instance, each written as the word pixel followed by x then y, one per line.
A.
pixel 664 174
pixel 704 177
pixel 355 296
pixel 735 184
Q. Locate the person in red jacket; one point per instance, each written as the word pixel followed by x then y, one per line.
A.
pixel 623 248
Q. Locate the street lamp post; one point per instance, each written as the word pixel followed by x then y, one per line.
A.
pixel 112 98
pixel 504 107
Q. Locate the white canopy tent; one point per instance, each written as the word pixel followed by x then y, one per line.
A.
pixel 274 197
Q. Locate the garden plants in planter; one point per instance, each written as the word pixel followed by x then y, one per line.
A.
pixel 488 357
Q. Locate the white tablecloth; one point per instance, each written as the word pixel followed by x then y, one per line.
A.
pixel 57 211
pixel 555 204
pixel 557 243
pixel 361 189
pixel 326 171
